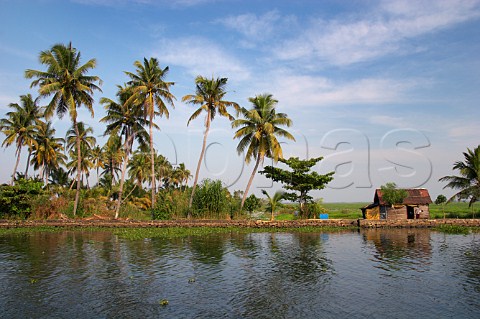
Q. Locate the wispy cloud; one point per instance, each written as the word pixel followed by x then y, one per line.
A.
pixel 201 56
pixel 252 26
pixel 344 41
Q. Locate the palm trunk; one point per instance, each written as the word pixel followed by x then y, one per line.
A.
pixel 202 154
pixel 79 168
pixel 152 163
pixel 127 146
pixel 19 150
pixel 259 159
pixel 28 162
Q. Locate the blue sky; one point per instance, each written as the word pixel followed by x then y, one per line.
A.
pixel 385 90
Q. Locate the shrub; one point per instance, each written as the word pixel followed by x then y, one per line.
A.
pixel 16 201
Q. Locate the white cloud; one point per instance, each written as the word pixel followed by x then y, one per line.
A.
pixel 201 57
pixel 252 26
pixel 347 41
pixel 309 90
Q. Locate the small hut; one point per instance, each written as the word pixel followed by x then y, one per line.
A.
pixel 414 206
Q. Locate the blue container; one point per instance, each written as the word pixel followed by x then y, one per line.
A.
pixel 323 216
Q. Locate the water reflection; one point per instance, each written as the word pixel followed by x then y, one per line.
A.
pixel 259 275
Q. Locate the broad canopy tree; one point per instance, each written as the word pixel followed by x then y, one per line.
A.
pixel 299 179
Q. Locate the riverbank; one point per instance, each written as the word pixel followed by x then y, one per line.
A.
pixel 361 223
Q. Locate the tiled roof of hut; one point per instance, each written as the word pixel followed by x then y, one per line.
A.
pixel 416 196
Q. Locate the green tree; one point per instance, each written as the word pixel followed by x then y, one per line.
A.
pixel 258 132
pixel 273 201
pixel 125 120
pixel 392 195
pixel 299 179
pixel 252 203
pixel 96 156
pixel 138 167
pixel 71 86
pixel 150 90
pixel 47 151
pixel 209 96
pixel 468 182
pixel 81 132
pixel 19 127
pixel 113 155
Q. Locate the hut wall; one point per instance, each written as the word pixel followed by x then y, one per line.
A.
pixel 425 214
pixel 372 213
pixel 399 213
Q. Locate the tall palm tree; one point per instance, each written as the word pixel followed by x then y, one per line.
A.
pixel 128 122
pixel 150 90
pixel 258 131
pixel 209 94
pixel 47 151
pixel 113 155
pixel 67 80
pixel 96 156
pixel 468 183
pixel 20 127
pixel 163 168
pixel 273 201
pixel 81 132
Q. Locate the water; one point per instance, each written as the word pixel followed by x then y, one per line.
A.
pixel 366 274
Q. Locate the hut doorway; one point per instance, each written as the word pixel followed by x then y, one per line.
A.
pixel 410 212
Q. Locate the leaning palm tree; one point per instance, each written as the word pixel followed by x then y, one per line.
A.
pixel 209 94
pixel 48 151
pixel 128 122
pixel 67 80
pixel 258 133
pixel 468 183
pixel 273 201
pixel 150 90
pixel 19 127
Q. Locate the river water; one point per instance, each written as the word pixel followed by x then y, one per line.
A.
pixel 413 273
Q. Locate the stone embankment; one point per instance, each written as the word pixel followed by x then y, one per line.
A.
pixel 362 223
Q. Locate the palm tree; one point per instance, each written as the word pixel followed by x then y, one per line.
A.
pixel 67 80
pixel 181 175
pixel 96 156
pixel 20 127
pixel 468 183
pixel 209 94
pixel 113 155
pixel 258 133
pixel 150 89
pixel 127 121
pixel 163 168
pixel 47 151
pixel 83 133
pixel 138 167
pixel 273 201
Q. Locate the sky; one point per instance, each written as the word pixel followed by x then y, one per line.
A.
pixel 385 91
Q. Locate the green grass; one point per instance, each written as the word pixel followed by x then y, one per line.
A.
pixel 453 229
pixel 344 210
pixel 455 210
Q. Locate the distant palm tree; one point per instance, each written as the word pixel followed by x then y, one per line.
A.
pixel 97 158
pixel 163 168
pixel 468 183
pixel 20 127
pixel 125 120
pixel 273 201
pixel 67 80
pixel 113 155
pixel 209 94
pixel 258 131
pixel 181 175
pixel 150 89
pixel 81 132
pixel 138 167
pixel 47 152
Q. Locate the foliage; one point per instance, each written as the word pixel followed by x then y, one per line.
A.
pixel 468 183
pixel 314 209
pixel 440 199
pixel 210 199
pixel 273 202
pixel 252 203
pixel 453 229
pixel 16 201
pixel 299 179
pixel 391 195
pixel 258 132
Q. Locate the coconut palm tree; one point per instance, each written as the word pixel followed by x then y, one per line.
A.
pixel 273 201
pixel 150 90
pixel 125 120
pixel 258 131
pixel 163 168
pixel 181 175
pixel 209 94
pixel 71 86
pixel 47 152
pixel 113 155
pixel 468 183
pixel 81 132
pixel 96 157
pixel 138 167
pixel 19 127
